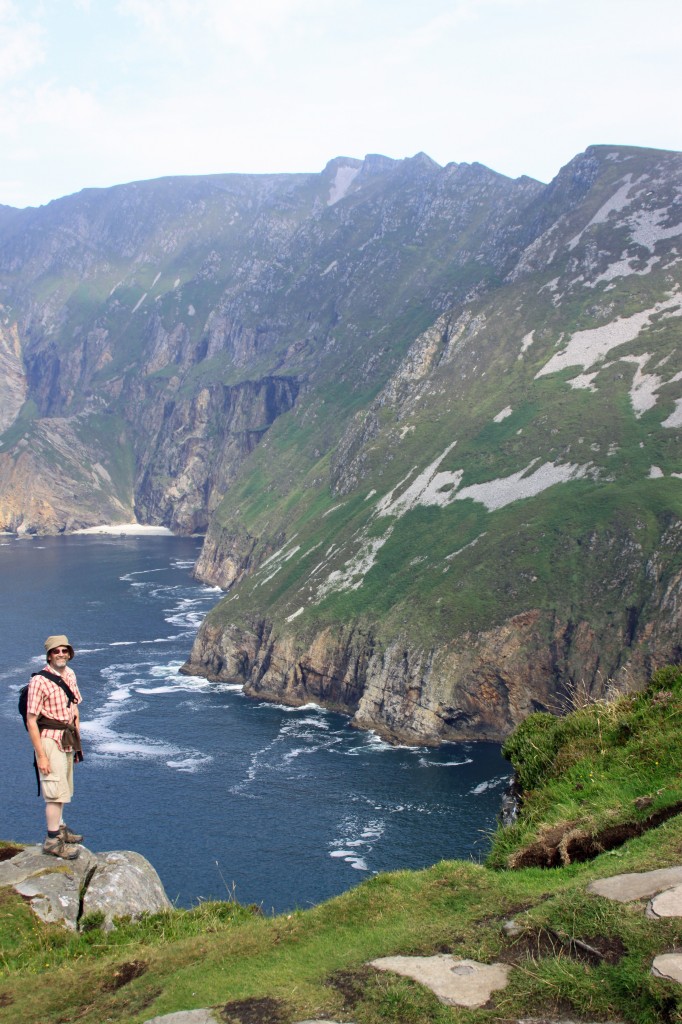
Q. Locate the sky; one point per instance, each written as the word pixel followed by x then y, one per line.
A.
pixel 94 93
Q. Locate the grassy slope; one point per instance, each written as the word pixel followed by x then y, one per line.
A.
pixel 534 553
pixel 558 551
pixel 590 765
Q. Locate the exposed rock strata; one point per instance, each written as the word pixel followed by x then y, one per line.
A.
pixel 13 387
pixel 37 483
pixel 477 687
pixel 198 445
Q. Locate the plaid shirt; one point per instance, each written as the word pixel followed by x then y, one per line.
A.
pixel 46 698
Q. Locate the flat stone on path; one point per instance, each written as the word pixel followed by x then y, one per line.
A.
pixel 669 966
pixel 636 886
pixel 666 904
pixel 454 981
pixel 187 1017
pixel 206 1016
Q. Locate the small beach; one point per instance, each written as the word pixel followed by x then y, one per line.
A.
pixel 125 529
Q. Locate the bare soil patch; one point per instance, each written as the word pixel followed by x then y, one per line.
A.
pixel 351 985
pixel 125 973
pixel 568 843
pixel 539 943
pixel 7 852
pixel 256 1011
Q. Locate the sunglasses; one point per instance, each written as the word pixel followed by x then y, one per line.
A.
pixel 60 650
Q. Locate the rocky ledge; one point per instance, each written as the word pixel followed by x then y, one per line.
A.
pixel 114 884
pixel 476 687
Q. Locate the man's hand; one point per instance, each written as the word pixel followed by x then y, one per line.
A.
pixel 34 733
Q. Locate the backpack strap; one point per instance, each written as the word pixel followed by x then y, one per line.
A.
pixel 71 697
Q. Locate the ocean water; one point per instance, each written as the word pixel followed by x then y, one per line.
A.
pixel 225 795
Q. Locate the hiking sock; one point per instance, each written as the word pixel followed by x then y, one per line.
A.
pixel 53 835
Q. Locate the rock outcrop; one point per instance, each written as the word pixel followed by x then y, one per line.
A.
pixel 115 884
pixel 479 686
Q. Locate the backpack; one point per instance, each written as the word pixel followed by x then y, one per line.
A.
pixel 23 693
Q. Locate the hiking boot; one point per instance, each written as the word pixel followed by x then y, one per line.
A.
pixel 58 848
pixel 68 836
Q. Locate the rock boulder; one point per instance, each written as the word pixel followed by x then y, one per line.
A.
pixel 117 883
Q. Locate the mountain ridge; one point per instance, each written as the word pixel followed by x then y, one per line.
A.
pixel 427 417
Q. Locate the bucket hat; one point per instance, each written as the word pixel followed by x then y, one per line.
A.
pixel 58 641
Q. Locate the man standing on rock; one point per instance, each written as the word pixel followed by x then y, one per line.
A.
pixel 53 724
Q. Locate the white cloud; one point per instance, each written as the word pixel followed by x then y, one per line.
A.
pixel 21 42
pixel 98 93
pixel 230 25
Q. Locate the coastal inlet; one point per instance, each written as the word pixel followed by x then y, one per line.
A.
pixel 225 795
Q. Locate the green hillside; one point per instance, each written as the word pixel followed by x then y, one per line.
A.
pixel 522 459
pixel 604 779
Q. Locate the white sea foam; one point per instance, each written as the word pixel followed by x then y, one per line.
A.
pixel 483 787
pixel 123 693
pixel 140 572
pixel 356 837
pixel 310 706
pixel 190 764
pixel 374 742
pixel 137 747
pixel 444 764
pixel 177 688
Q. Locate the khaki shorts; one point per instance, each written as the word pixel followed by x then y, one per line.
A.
pixel 57 785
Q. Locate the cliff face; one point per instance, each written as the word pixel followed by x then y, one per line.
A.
pixel 477 686
pixel 198 445
pixel 168 324
pixel 499 526
pixel 429 419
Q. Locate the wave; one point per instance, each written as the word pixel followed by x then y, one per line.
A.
pixel 356 840
pixel 444 764
pixel 105 743
pixel 483 787
pixel 176 688
pixel 140 572
pixel 190 764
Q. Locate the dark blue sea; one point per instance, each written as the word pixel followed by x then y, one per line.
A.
pixel 226 796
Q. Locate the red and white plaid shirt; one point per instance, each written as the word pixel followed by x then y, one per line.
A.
pixel 46 698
